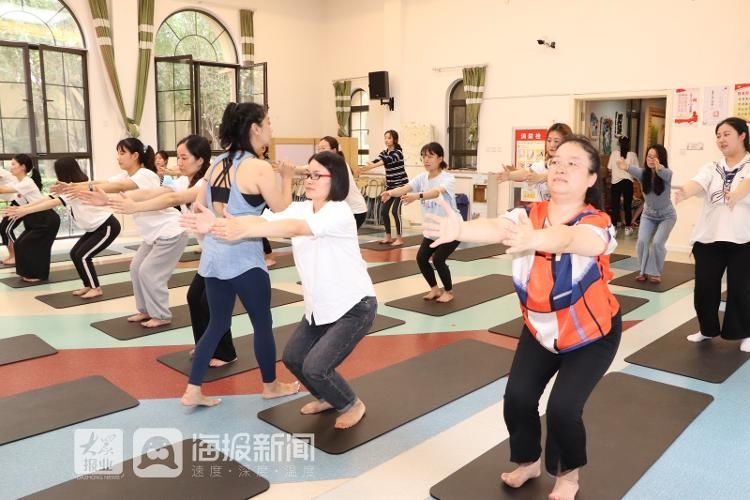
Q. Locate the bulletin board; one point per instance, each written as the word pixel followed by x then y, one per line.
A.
pixel 528 146
pixel 299 149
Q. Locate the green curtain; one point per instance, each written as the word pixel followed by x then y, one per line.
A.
pixel 100 15
pixel 247 40
pixel 474 89
pixel 145 45
pixel 343 89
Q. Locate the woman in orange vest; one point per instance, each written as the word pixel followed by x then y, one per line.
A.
pixel 572 320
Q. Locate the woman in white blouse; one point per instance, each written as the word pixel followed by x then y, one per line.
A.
pixel 721 236
pixel 622 184
pixel 340 303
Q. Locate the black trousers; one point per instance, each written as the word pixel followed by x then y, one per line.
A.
pixel 711 260
pixel 578 372
pixel 623 189
pixel 89 245
pixel 199 316
pixel 360 218
pixel 393 206
pixel 7 227
pixel 34 246
pixel 439 256
pixel 267 247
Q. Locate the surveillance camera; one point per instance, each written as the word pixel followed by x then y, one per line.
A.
pixel 552 45
pixel 540 41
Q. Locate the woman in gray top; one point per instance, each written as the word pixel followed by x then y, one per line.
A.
pixel 659 216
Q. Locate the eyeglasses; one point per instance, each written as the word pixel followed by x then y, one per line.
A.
pixel 314 175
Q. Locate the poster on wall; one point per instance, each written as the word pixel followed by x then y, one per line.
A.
pixel 742 101
pixel 606 148
pixel 715 104
pixel 528 146
pixel 593 126
pixel 686 106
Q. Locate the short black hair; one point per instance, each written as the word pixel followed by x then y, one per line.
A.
pixel 594 193
pixel 67 169
pixel 336 166
pixel 738 124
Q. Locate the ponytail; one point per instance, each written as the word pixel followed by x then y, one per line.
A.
pixel 146 155
pixel 28 166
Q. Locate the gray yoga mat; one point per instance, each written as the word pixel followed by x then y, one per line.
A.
pixel 674 274
pixel 68 275
pixel 398 394
pixel 408 242
pixel 23 347
pixel 630 423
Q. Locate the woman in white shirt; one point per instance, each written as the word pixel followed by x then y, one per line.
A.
pixel 354 197
pixel 721 236
pixel 340 303
pixel 622 184
pixel 535 177
pixel 163 238
pixel 33 249
pixel 7 193
pixel 100 226
pixel 428 187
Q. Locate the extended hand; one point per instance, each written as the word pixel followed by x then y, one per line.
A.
pixel 96 198
pixel 443 229
pixel 409 197
pixel 522 236
pixel 200 221
pixel 229 227
pixel 122 205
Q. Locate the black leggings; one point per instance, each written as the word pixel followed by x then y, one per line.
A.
pixel 199 316
pixel 360 219
pixel 578 372
pixel 439 256
pixel 267 249
pixel 254 290
pixel 711 259
pixel 34 246
pixel 623 188
pixel 393 205
pixel 7 226
pixel 89 245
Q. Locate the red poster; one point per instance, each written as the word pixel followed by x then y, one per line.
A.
pixel 528 146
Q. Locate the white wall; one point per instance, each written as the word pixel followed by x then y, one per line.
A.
pixel 603 49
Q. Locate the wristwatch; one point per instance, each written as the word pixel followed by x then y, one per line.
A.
pixel 421 196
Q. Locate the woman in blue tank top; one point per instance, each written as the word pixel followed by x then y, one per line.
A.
pixel 239 183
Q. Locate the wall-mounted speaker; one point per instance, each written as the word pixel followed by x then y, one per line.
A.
pixel 379 85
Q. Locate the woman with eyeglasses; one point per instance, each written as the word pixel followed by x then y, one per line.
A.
pixel 721 236
pixel 572 322
pixel 659 216
pixel 428 187
pixel 340 303
pixel 535 177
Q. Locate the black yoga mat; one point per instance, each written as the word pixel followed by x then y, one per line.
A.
pixel 369 230
pixel 674 274
pixel 23 347
pixel 513 328
pixel 65 257
pixel 122 329
pixel 711 361
pixel 408 242
pixel 49 408
pixel 232 482
pixel 399 394
pixel 61 300
pixel 69 275
pixel 467 294
pixel 480 252
pixel 393 271
pixel 182 362
pixel 630 423
pixel 617 257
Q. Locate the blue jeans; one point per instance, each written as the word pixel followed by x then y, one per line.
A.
pixel 652 238
pixel 314 352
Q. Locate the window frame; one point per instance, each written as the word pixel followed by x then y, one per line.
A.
pixel 360 109
pixel 453 148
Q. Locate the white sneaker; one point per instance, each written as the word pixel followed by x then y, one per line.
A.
pixel 699 337
pixel 628 231
pixel 745 345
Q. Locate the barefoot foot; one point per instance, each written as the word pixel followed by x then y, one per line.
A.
pixel 81 291
pixel 566 486
pixel 434 293
pixel 278 389
pixel 523 473
pixel 445 297
pixel 155 323
pixel 315 407
pixel 397 242
pixel 352 416
pixel 92 293
pixel 215 362
pixel 30 280
pixel 138 317
pixel 194 397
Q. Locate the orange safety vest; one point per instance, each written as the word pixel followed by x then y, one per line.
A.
pixel 565 306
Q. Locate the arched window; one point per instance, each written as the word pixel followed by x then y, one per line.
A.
pixel 358 123
pixel 461 154
pixel 44 108
pixel 197 75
